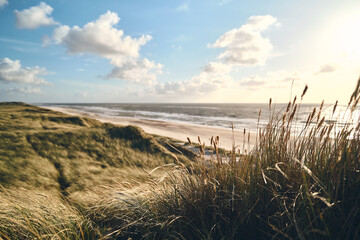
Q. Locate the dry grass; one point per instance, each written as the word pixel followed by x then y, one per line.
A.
pixel 63 164
pixel 46 149
pixel 33 214
pixel 290 186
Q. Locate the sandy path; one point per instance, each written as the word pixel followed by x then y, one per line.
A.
pixel 174 130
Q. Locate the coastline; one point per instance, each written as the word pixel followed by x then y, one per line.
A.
pixel 175 130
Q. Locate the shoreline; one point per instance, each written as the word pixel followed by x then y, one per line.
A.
pixel 175 130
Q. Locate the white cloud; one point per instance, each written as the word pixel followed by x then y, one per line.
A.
pixel 327 68
pixel 200 84
pixel 102 38
pixel 26 90
pixel 11 71
pixel 243 46
pixel 252 81
pixel 246 45
pixel 3 3
pixel 141 71
pixel 183 8
pixel 35 17
pixel 271 79
pixel 216 67
pixel 60 33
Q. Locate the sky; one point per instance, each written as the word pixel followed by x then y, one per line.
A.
pixel 203 51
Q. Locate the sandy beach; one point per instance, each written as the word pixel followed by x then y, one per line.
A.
pixel 175 130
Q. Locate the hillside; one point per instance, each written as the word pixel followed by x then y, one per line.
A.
pixel 55 167
pixel 49 150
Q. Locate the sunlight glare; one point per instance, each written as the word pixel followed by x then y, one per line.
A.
pixel 347 37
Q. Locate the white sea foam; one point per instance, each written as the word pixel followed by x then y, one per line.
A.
pixel 216 115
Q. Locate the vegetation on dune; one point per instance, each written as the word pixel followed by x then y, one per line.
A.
pixel 43 148
pixel 60 161
pixel 34 214
pixel 291 185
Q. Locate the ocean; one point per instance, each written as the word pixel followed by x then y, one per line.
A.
pixel 215 115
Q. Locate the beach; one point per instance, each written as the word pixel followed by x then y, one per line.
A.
pixel 175 130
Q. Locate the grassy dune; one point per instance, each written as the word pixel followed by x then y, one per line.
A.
pixel 60 161
pixel 289 186
pixel 69 178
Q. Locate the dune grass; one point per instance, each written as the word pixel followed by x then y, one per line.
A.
pixel 73 176
pixel 46 149
pixel 53 166
pixel 290 186
pixel 34 214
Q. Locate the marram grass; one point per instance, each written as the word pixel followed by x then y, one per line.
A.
pixel 33 214
pixel 290 186
pixel 53 166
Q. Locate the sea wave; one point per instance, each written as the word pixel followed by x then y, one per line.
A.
pixel 216 115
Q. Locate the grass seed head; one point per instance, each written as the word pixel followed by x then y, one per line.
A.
pixel 304 91
pixel 336 103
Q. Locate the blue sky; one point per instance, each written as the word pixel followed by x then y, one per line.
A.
pixel 178 51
